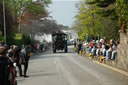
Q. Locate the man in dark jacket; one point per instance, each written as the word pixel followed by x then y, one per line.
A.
pixel 16 52
pixel 4 62
pixel 79 46
pixel 27 56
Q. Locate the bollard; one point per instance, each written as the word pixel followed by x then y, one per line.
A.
pixel 101 59
pixel 80 52
pixel 90 56
pixel 30 54
pixel 75 49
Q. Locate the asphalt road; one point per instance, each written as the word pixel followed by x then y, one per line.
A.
pixel 69 69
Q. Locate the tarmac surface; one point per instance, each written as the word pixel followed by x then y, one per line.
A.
pixel 69 69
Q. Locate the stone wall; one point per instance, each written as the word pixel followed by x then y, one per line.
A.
pixel 121 60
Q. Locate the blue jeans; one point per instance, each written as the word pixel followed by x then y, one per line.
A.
pixel 104 53
pixel 108 54
pixel 89 49
pixel 113 55
pixel 93 51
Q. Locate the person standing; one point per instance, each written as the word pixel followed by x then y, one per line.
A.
pixel 12 69
pixel 35 48
pixel 26 57
pixel 4 62
pixel 0 43
pixel 75 44
pixel 79 47
pixel 105 40
pixel 16 52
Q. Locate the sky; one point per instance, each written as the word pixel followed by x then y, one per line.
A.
pixel 63 11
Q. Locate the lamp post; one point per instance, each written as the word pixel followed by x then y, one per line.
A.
pixel 4 22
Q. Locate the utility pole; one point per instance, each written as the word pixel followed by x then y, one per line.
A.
pixel 5 40
pixel 93 23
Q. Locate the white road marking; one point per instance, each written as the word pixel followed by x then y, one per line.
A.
pixel 66 74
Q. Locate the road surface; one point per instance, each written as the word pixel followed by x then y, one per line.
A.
pixel 69 69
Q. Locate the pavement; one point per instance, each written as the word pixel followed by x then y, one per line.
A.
pixel 69 69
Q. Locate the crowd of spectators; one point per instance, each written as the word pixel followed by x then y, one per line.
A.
pixel 99 48
pixel 11 58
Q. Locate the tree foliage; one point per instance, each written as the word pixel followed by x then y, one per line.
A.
pixel 122 9
pixel 15 10
pixel 10 20
pixel 97 18
pixel 35 8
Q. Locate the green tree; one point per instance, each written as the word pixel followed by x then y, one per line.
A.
pixel 122 11
pixel 94 18
pixel 19 7
pixel 15 10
